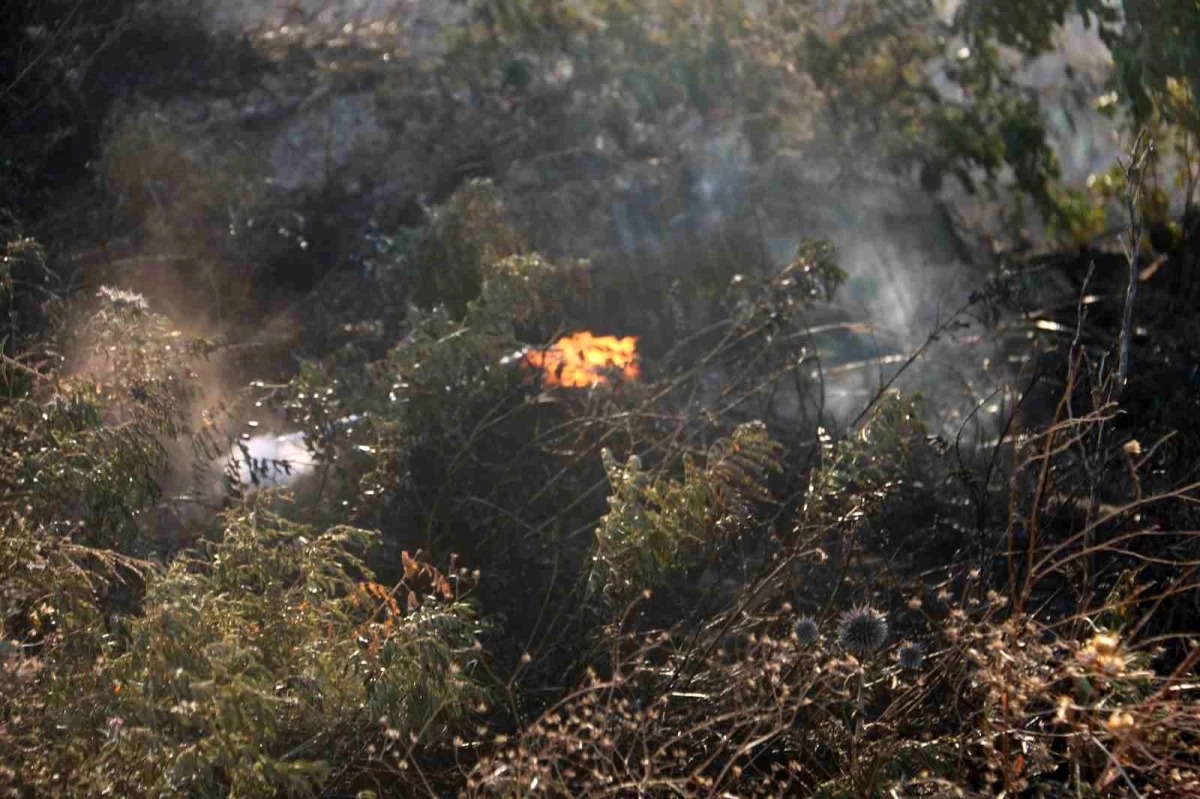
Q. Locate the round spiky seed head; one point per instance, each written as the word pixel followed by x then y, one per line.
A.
pixel 862 630
pixel 911 657
pixel 807 630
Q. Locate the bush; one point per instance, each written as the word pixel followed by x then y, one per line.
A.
pixel 656 524
pixel 675 577
pixel 249 665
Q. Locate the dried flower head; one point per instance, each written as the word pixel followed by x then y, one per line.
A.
pixel 1120 722
pixel 862 629
pixel 911 657
pixel 1103 655
pixel 807 630
pixel 1064 709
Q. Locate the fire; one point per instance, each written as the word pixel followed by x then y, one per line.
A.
pixel 582 360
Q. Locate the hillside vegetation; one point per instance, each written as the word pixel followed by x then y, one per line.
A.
pixel 488 399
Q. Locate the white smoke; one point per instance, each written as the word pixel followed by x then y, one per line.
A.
pixel 274 460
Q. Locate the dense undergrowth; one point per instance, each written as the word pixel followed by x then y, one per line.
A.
pixel 690 580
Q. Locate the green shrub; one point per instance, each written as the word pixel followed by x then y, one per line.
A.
pixel 260 665
pixel 247 667
pixel 656 524
pixel 87 437
pixel 463 239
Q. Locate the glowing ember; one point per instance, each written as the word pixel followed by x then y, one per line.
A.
pixel 581 360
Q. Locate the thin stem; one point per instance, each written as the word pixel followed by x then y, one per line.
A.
pixel 1135 173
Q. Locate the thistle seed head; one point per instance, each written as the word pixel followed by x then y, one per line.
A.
pixel 807 630
pixel 862 630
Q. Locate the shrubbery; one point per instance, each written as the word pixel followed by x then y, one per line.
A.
pixel 685 579
pixel 247 665
pixel 267 658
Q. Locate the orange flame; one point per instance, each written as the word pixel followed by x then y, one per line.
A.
pixel 582 360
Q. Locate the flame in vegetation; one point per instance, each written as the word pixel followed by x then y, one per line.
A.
pixel 582 360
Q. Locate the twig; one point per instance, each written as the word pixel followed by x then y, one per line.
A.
pixel 14 363
pixel 1135 173
pixel 934 336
